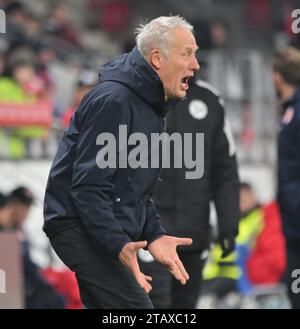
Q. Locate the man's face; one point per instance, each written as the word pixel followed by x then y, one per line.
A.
pixel 20 213
pixel 247 200
pixel 179 65
pixel 5 217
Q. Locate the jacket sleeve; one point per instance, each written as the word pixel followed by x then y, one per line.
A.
pixel 92 187
pixel 152 228
pixel 224 178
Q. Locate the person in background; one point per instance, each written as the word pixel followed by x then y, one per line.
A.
pixel 39 293
pixel 87 80
pixel 259 258
pixel 222 276
pixel 20 201
pixel 21 86
pixel 286 79
pixel 266 263
pixel 184 204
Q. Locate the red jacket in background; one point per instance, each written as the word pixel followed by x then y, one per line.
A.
pixel 64 282
pixel 267 262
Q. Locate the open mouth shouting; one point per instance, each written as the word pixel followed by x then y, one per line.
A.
pixel 185 82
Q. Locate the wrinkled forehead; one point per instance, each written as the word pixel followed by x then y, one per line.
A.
pixel 183 38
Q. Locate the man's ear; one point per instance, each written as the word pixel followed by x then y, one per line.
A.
pixel 154 58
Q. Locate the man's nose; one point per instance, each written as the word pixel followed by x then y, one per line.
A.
pixel 195 66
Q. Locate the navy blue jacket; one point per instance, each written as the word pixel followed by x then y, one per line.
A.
pixel 289 167
pixel 113 204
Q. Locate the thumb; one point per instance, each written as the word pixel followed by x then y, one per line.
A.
pixel 184 241
pixel 139 245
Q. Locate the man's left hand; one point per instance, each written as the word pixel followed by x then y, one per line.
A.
pixel 164 250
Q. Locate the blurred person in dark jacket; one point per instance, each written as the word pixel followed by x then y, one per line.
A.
pixel 286 79
pixel 98 216
pixel 184 204
pixel 39 294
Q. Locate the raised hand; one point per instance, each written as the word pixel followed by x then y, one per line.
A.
pixel 164 251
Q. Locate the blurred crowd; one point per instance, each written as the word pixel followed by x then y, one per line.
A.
pixel 35 53
pixel 51 58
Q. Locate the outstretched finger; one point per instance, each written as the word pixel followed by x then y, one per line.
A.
pixel 147 277
pixel 140 278
pixel 184 241
pixel 176 272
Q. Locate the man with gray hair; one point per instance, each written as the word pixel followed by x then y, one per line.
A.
pixel 98 218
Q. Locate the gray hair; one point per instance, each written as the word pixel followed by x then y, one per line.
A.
pixel 156 33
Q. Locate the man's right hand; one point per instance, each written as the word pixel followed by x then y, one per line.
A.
pixel 128 256
pixel 164 250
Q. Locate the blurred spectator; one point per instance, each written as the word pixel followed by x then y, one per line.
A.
pixel 45 56
pixel 64 281
pixel 286 79
pixel 219 32
pixel 212 35
pixel 259 258
pixel 15 24
pixel 38 292
pixel 22 86
pixel 267 262
pixel 87 80
pixel 60 25
pixel 222 276
pixel 20 201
